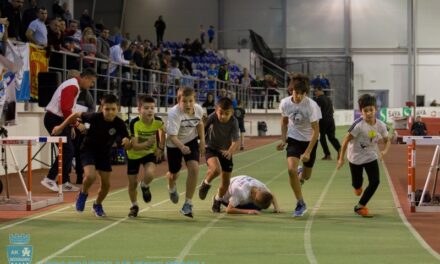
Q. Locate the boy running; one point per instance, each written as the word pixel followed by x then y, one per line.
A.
pixel 145 151
pixel 184 128
pixel 362 139
pixel 221 144
pixel 105 129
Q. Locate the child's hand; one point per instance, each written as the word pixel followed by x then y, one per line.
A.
pixel 158 153
pixel 340 164
pixel 185 150
pixel 56 131
pixel 281 145
pixel 226 154
pixel 151 141
pixel 277 211
pixel 126 143
pixel 305 157
pixel 81 127
pixel 253 212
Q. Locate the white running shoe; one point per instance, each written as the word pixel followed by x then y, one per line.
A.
pixel 68 187
pixel 50 184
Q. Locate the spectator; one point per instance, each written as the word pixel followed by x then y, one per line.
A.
pixel 434 103
pixel 67 16
pixel 209 104
pixel 12 11
pixel 211 35
pixel 116 55
pixel 73 30
pixel 37 31
pixel 57 10
pixel 245 81
pixel 85 20
pixel 103 49
pixel 187 47
pixel 202 35
pixel 160 29
pixel 30 14
pixel 418 128
pixel 115 37
pixel 197 48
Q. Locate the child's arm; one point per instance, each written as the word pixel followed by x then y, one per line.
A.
pixel 387 142
pixel 232 210
pixel 185 149
pixel 231 151
pixel 71 119
pixel 276 207
pixel 347 139
pixel 284 122
pixel 315 134
pixel 161 145
pixel 144 145
pixel 201 133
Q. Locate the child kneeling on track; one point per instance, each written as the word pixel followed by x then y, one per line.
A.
pixel 105 129
pixel 247 195
pixel 146 151
pixel 362 139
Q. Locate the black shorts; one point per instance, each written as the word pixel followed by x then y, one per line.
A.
pixel 296 148
pixel 134 164
pixel 210 39
pixel 241 125
pixel 174 156
pixel 226 164
pixel 102 161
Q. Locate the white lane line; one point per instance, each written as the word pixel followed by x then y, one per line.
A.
pixel 405 221
pixel 97 232
pixel 158 257
pixel 185 251
pixel 121 220
pixel 307 231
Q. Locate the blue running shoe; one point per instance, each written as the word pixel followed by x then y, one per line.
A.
pixel 99 211
pixel 174 196
pixel 300 209
pixel 81 201
pixel 187 210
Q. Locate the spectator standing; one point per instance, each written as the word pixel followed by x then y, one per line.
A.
pixel 202 35
pixel 12 11
pixel 30 14
pixel 211 35
pixel 67 16
pixel 85 20
pixel 57 10
pixel 37 31
pixel 160 29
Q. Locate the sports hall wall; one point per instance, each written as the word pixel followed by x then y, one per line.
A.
pixel 378 35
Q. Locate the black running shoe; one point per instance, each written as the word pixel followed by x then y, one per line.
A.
pixel 203 190
pixel 146 194
pixel 216 205
pixel 133 211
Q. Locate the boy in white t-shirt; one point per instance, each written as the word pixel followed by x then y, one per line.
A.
pixel 362 139
pixel 300 131
pixel 184 128
pixel 247 195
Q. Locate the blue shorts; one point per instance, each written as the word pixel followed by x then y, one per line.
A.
pixel 134 164
pixel 175 155
pixel 101 161
pixel 226 164
pixel 296 148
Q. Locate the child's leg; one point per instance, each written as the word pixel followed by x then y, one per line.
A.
pixel 132 187
pixel 191 180
pixel 292 166
pixel 226 178
pixel 149 170
pixel 105 186
pixel 89 177
pixel 372 170
pixel 356 176
pixel 214 169
pixel 172 177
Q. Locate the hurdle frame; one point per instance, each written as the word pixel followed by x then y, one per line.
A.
pixel 31 204
pixel 412 142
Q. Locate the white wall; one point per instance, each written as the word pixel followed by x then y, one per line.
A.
pixel 428 21
pixel 315 24
pixel 241 57
pixel 182 18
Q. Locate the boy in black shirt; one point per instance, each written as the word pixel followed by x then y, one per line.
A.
pixel 239 113
pixel 418 128
pixel 105 129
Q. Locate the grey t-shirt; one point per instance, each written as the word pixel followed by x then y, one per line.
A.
pixel 219 136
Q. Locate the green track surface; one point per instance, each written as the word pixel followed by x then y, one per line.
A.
pixel 329 233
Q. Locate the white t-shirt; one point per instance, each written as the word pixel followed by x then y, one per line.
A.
pixel 300 117
pixel 363 147
pixel 183 125
pixel 239 191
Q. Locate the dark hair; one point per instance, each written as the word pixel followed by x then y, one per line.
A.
pixel 109 99
pixel 318 86
pixel 298 77
pixel 225 103
pixel 146 99
pixel 301 87
pixel 88 72
pixel 264 199
pixel 366 100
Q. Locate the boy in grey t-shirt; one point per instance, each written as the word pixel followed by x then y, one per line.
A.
pixel 222 139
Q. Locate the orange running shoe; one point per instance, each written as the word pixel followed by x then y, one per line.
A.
pixel 362 211
pixel 358 192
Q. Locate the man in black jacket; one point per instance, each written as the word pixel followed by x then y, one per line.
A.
pixel 327 123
